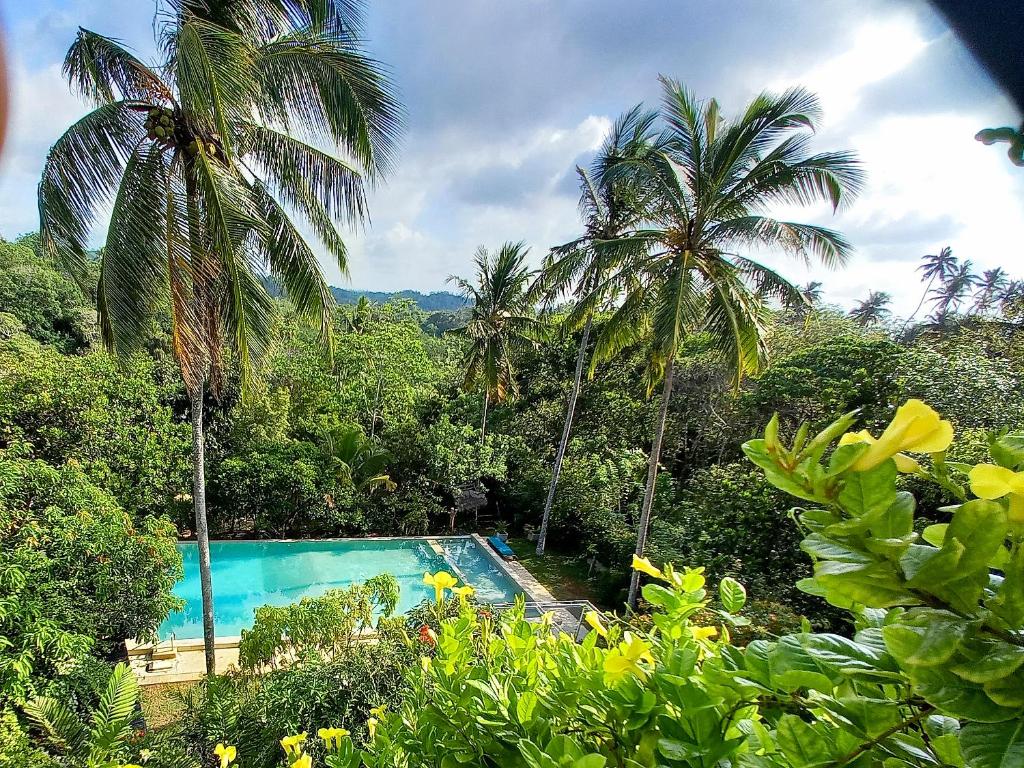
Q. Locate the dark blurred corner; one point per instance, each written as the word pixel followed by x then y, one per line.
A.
pixel 993 30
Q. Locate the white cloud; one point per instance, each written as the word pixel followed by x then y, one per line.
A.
pixel 877 50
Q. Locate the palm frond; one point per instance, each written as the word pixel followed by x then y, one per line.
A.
pixel 293 263
pixel 323 80
pixel 134 276
pixel 801 240
pixel 231 218
pixel 59 724
pixel 303 170
pixel 81 174
pixel 216 77
pixel 102 70
pixel 112 718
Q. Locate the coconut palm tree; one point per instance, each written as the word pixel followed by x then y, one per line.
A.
pixel 500 324
pixel 198 158
pixel 937 266
pixel 711 183
pixel 581 267
pixel 872 310
pixel 991 287
pixel 952 293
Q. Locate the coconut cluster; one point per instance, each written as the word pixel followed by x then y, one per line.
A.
pixel 162 128
pixel 160 125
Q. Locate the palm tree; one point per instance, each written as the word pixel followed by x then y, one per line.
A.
pixel 501 321
pixel 196 155
pixel 951 294
pixel 872 310
pixel 991 287
pixel 937 266
pixel 710 183
pixel 608 209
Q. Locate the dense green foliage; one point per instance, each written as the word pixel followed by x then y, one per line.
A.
pixel 931 676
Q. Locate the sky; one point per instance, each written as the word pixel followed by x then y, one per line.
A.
pixel 504 99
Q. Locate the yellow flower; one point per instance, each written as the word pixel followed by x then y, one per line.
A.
pixel 226 754
pixel 332 737
pixel 703 633
pixel 904 463
pixel 463 593
pixel 371 726
pixel 425 664
pixel 915 428
pixel 291 743
pixel 303 761
pixel 624 660
pixel 440 581
pixel 593 618
pixel 644 565
pixel 991 482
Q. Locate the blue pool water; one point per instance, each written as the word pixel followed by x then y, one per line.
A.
pixel 248 574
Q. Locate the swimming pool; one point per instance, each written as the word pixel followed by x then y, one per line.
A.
pixel 248 574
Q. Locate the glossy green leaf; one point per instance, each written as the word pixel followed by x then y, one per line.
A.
pixel 993 745
pixel 732 595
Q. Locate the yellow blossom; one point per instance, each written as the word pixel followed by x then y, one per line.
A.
pixel 303 761
pixel 703 633
pixel 425 664
pixel 463 593
pixel 332 737
pixel 371 726
pixel 593 618
pixel 904 464
pixel 625 660
pixel 915 428
pixel 644 565
pixel 225 753
pixel 291 743
pixel 991 482
pixel 440 581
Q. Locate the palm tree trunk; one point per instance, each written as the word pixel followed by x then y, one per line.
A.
pixel 920 304
pixel 483 422
pixel 202 531
pixel 652 478
pixel 570 411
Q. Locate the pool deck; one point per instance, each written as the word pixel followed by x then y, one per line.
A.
pixel 184 661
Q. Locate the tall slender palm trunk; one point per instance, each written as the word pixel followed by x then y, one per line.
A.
pixel 570 411
pixel 652 479
pixel 927 290
pixel 202 531
pixel 483 422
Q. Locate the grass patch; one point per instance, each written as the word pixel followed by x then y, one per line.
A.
pixel 565 576
pixel 160 704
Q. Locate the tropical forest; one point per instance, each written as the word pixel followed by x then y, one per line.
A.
pixel 687 483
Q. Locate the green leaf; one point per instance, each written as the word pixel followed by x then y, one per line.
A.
pixel 924 637
pixel 957 697
pixel 590 761
pixel 803 745
pixel 987 660
pixel 993 745
pixel 869 493
pixel 732 595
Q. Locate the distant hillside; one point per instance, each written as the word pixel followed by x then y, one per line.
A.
pixel 436 301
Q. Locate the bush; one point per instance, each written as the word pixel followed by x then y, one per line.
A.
pixel 735 523
pixel 279 489
pixel 108 416
pixel 79 573
pixel 323 627
pixel 255 712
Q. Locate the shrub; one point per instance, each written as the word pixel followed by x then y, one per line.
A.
pixel 77 572
pixel 735 523
pixel 325 627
